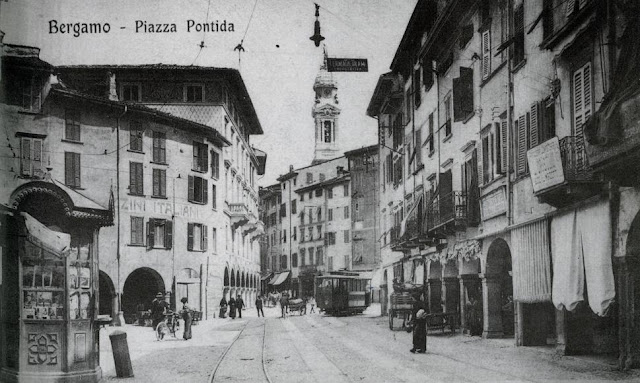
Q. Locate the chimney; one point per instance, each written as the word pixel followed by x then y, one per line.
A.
pixel 112 91
pixel 290 168
pixel 340 169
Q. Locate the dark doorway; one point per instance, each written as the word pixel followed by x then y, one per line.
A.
pixel 139 290
pixel 107 295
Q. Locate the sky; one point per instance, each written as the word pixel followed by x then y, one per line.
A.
pixel 278 66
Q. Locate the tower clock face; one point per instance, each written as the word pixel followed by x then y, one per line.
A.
pixel 327 92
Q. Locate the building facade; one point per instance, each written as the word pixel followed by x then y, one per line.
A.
pixel 187 220
pixel 497 156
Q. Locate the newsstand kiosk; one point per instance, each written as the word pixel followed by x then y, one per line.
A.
pixel 49 286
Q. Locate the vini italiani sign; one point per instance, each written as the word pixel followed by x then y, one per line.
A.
pixel 545 165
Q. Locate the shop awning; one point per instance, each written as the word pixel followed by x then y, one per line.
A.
pixel 266 277
pixel 581 248
pixel 531 263
pixel 279 278
pixel 43 237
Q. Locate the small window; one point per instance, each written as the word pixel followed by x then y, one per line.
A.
pixel 196 237
pixel 346 212
pixel 518 38
pixel 159 233
pixel 137 231
pixel 214 239
pixel 319 230
pixel 159 147
pixel 200 154
pixel 136 182
pixel 72 125
pixel 214 194
pixel 309 178
pixel 198 190
pixel 72 169
pixel 131 92
pixel 215 164
pixel 330 192
pixel 322 177
pixel 294 207
pixel 159 183
pixel 284 236
pixel 330 215
pixel 135 136
pixel 193 93
pixel 302 257
pixel 294 260
pixel 31 157
pixel 346 190
pixel 347 237
pixel 318 192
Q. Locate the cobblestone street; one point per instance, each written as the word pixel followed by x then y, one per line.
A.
pixel 317 348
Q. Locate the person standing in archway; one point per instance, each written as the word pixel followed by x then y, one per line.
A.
pixel 232 308
pixel 158 308
pixel 239 305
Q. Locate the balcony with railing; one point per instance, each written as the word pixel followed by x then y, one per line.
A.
pixel 447 214
pixel 238 212
pixel 578 183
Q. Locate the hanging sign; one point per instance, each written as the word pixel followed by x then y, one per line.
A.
pixel 347 65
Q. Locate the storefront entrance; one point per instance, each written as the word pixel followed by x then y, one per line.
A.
pixel 497 288
pixel 107 296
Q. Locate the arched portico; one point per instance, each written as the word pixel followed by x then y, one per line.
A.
pixel 497 289
pixel 140 289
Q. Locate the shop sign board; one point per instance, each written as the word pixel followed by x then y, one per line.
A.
pixel 347 65
pixel 494 203
pixel 545 165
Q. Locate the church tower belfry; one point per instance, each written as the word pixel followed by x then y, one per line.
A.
pixel 325 115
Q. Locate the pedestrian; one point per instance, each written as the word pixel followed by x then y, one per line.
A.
pixel 239 306
pixel 187 316
pixel 419 332
pixel 259 306
pixel 223 308
pixel 284 305
pixel 158 309
pixel 312 300
pixel 232 308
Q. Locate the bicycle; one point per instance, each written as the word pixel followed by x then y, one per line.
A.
pixel 169 325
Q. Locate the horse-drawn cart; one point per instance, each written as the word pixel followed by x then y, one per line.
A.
pixel 298 305
pixel 401 307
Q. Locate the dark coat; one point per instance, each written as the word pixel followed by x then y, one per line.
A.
pixel 259 303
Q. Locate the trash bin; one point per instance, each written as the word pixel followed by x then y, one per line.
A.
pixel 121 354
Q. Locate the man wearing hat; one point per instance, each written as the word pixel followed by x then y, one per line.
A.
pixel 158 308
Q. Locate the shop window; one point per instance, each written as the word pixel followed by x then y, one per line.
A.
pixel 197 237
pixel 159 233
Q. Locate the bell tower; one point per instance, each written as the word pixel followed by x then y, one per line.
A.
pixel 325 115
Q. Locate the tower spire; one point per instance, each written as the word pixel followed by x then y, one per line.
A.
pixel 326 114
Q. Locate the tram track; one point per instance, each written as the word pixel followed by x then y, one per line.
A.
pixel 212 376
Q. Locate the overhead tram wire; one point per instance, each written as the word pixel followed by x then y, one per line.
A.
pixel 240 47
pixel 201 45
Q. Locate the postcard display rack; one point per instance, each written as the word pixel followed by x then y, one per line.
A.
pixel 57 300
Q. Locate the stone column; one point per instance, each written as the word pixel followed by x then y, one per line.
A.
pixel 451 294
pixel 434 287
pixel 492 305
pixel 467 282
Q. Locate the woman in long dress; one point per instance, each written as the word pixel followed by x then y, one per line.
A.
pixel 420 332
pixel 232 308
pixel 187 316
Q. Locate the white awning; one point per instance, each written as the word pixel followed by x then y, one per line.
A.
pixel 376 278
pixel 279 278
pixel 50 240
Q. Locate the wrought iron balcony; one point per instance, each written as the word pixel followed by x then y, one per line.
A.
pixel 446 213
pixel 579 182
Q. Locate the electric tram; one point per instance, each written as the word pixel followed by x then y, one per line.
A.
pixel 342 293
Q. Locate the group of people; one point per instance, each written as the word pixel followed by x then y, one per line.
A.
pixel 160 307
pixel 234 305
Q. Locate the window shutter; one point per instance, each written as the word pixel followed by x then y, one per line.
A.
pixel 466 75
pixel 534 126
pixel 503 146
pixel 191 189
pixel 205 158
pixel 205 239
pixel 26 157
pixel 195 155
pixel 571 6
pixel 156 182
pixel 151 232
pixel 36 157
pixel 168 234
pixel 190 236
pixel 205 191
pixel 522 145
pixel 132 178
pixel 76 170
pixel 486 53
pixel 163 149
pixel 163 183
pixel 458 114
